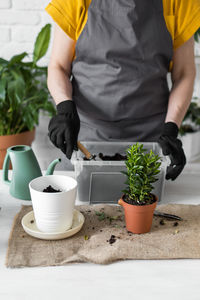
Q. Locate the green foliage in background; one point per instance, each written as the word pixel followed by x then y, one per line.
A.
pixel 197 35
pixel 191 121
pixel 142 170
pixel 23 88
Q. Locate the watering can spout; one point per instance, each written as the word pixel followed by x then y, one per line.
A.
pixel 52 165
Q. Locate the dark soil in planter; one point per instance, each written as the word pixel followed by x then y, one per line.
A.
pixel 50 189
pixel 151 200
pixel 115 157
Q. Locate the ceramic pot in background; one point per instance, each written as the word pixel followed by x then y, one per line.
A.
pixel 53 211
pixel 6 141
pixel 138 217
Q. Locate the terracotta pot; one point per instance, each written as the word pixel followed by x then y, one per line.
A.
pixel 138 217
pixel 6 141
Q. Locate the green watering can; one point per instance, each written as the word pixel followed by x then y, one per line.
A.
pixel 25 168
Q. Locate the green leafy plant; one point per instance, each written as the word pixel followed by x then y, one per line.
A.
pixel 142 170
pixel 23 88
pixel 191 121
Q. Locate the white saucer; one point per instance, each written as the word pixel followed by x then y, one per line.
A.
pixel 31 228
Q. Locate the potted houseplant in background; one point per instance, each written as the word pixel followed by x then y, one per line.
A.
pixel 138 201
pixel 23 93
pixel 190 131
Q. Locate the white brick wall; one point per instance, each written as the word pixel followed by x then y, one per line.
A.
pixel 29 5
pixel 20 22
pixel 5 35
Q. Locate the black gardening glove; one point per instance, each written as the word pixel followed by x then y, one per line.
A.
pixel 173 147
pixel 64 127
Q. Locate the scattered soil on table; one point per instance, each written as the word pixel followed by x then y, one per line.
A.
pixel 162 222
pixel 112 239
pixel 50 189
pixel 175 223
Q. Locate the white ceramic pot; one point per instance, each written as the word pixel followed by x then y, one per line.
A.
pixel 53 211
pixel 191 145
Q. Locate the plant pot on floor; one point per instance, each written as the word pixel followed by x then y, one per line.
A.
pixel 138 217
pixel 6 141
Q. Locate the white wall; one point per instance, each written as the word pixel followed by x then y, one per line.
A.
pixel 20 22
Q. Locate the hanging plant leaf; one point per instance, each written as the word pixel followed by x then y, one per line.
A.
pixel 42 43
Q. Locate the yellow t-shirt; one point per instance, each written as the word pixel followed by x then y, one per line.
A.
pixel 182 17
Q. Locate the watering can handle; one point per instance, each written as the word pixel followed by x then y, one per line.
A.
pixel 5 169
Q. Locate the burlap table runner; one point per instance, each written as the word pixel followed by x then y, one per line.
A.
pixel 104 239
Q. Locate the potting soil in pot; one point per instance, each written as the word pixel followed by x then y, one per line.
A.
pixel 50 189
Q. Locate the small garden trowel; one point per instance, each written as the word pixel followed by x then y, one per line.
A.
pixel 87 154
pixel 169 216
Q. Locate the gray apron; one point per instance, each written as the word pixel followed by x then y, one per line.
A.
pixel 119 75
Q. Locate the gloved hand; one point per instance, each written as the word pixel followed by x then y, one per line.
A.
pixel 173 147
pixel 64 127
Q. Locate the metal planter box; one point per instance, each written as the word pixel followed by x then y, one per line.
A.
pixel 102 181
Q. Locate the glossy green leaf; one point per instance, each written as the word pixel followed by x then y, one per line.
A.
pixel 3 62
pixel 2 89
pixel 42 43
pixel 16 92
pixel 17 58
